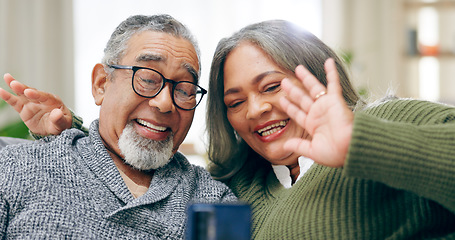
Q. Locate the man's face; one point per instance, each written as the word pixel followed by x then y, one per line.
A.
pixel 152 118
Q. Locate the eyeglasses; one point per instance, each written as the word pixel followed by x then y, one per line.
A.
pixel 148 83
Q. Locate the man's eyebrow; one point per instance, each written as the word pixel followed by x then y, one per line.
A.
pixel 147 57
pixel 151 57
pixel 192 71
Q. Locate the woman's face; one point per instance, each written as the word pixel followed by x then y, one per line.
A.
pixel 252 90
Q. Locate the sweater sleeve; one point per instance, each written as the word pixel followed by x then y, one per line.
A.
pixel 3 217
pixel 76 123
pixel 408 145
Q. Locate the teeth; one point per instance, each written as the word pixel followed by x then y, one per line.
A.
pixel 270 132
pixel 272 128
pixel 151 126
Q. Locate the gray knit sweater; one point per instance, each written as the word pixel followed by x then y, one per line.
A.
pixel 68 187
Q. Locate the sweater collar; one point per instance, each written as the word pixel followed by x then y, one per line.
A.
pixel 163 183
pixel 283 174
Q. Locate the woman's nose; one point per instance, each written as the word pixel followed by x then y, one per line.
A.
pixel 257 107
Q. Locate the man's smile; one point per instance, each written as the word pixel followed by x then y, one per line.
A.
pixel 151 127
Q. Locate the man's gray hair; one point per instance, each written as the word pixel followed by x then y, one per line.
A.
pixel 117 44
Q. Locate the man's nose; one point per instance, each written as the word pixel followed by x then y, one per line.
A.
pixel 163 101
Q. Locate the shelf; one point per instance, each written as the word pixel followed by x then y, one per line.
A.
pixel 436 4
pixel 439 55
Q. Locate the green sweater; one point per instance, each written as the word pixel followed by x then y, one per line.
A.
pixel 398 182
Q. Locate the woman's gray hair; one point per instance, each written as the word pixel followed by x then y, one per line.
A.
pixel 117 44
pixel 288 46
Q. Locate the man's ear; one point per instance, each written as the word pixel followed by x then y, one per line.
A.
pixel 99 83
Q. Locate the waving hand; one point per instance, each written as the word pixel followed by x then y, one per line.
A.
pixel 42 112
pixel 323 113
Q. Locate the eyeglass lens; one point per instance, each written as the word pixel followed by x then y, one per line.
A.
pixel 148 83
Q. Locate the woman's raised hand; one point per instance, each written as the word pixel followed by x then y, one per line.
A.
pixel 323 113
pixel 42 112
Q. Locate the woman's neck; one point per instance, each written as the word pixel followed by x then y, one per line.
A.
pixel 295 171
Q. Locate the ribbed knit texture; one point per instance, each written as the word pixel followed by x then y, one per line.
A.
pixel 418 157
pixel 329 203
pixel 69 188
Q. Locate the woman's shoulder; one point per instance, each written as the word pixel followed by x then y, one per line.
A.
pixel 406 103
pixel 410 109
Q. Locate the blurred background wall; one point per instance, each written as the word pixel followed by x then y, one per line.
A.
pixel 37 47
pixel 405 47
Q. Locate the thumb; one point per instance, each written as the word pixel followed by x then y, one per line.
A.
pixel 298 145
pixel 58 121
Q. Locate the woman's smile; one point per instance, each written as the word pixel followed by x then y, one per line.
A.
pixel 271 131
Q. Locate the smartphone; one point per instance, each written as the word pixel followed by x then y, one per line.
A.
pixel 219 221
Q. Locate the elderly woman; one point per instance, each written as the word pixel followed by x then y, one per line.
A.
pixel 372 197
pixel 309 166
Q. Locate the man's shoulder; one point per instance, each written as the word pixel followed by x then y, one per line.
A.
pixel 38 151
pixel 4 141
pixel 66 137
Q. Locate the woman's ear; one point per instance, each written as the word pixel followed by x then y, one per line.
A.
pixel 99 83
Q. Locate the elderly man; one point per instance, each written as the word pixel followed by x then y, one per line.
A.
pixel 125 180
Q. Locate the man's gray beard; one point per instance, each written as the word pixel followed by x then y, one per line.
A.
pixel 143 153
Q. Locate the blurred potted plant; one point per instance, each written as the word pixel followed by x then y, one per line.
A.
pixel 15 128
pixel 347 57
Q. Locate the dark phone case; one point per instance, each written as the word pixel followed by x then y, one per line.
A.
pixel 218 221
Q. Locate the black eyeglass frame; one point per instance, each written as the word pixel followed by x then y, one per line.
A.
pixel 165 80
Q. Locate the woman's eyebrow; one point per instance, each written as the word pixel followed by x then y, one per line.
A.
pixel 261 76
pixel 257 79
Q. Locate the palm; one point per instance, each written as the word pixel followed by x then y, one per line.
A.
pixel 328 120
pixel 42 112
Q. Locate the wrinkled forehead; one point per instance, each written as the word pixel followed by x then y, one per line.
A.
pixel 150 46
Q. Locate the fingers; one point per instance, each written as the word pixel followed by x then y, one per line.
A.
pixel 313 88
pixel 17 87
pixel 31 94
pixel 5 95
pixel 11 99
pixel 293 111
pixel 42 97
pixel 333 80
pixel 310 82
pixel 8 78
pixel 296 94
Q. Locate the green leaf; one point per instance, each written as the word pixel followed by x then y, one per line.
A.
pixel 16 129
